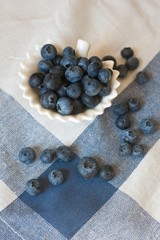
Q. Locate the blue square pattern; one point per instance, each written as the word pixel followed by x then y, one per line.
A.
pixel 69 206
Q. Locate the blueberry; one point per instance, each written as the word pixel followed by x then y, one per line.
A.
pixel 36 80
pixel 95 59
pixel 125 149
pixel 92 87
pixel 105 75
pixel 78 107
pixel 65 154
pixel 105 91
pixel 57 60
pixel 48 100
pixel 132 63
pixel 48 52
pixel 123 122
pixel 107 172
pixel 56 177
pixel 42 89
pixel 33 187
pixel 85 79
pixel 47 156
pixel 74 90
pixel 52 81
pixel 94 68
pixel 44 66
pixel 88 167
pixel 64 106
pixel 148 126
pixel 134 104
pixel 27 155
pixel 123 71
pixel 138 151
pixel 73 74
pixel 83 63
pixel 68 61
pixel 89 101
pixel 130 136
pixel 67 51
pixel 127 52
pixel 62 91
pixel 57 70
pixel 120 109
pixel 142 77
pixel 108 58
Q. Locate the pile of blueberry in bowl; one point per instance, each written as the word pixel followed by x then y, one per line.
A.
pixel 65 84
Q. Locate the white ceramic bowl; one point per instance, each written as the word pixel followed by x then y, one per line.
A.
pixel 29 66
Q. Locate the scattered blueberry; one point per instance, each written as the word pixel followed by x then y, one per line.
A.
pixel 62 91
pixel 95 59
pixel 123 122
pixel 93 69
pixel 130 136
pixel 42 89
pixel 74 90
pixel 47 156
pixel 127 52
pixel 78 107
pixel 52 81
pixel 92 87
pixel 68 61
pixel 134 104
pixel 36 80
pixel 148 126
pixel 123 71
pixel 105 75
pixel 108 58
pixel 56 177
pixel 48 100
pixel 83 63
pixel 107 172
pixel 65 154
pixel 57 70
pixel 105 91
pixel 67 51
pixel 138 151
pixel 27 155
pixel 120 109
pixel 74 74
pixel 125 149
pixel 142 77
pixel 44 66
pixel 57 60
pixel 90 101
pixel 48 52
pixel 64 106
pixel 33 187
pixel 88 167
pixel 132 63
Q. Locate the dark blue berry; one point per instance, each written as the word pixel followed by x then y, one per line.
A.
pixel 68 61
pixel 123 71
pixel 90 101
pixel 57 70
pixel 132 63
pixel 48 100
pixel 64 106
pixel 78 107
pixel 33 187
pixel 142 77
pixel 74 90
pixel 92 87
pixel 107 172
pixel 62 91
pixel 42 89
pixel 123 122
pixel 83 63
pixel 74 74
pixel 57 60
pixel 105 91
pixel 36 80
pixel 134 104
pixel 88 167
pixel 56 177
pixel 95 59
pixel 138 151
pixel 105 75
pixel 94 68
pixel 85 79
pixel 44 66
pixel 47 156
pixel 127 52
pixel 130 136
pixel 108 58
pixel 67 51
pixel 27 155
pixel 52 81
pixel 125 149
pixel 48 52
pixel 120 109
pixel 148 126
pixel 65 154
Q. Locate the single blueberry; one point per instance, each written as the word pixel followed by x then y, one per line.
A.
pixel 62 91
pixel 74 90
pixel 108 58
pixel 127 52
pixel 138 151
pixel 56 177
pixel 47 155
pixel 105 75
pixel 95 59
pixel 48 52
pixel 90 101
pixel 67 51
pixel 105 91
pixel 134 104
pixel 48 100
pixel 36 80
pixel 33 187
pixel 130 136
pixel 132 63
pixel 44 66
pixel 125 149
pixel 88 167
pixel 68 61
pixel 65 154
pixel 142 77
pixel 85 79
pixel 92 87
pixel 57 70
pixel 64 106
pixel 83 63
pixel 74 74
pixel 78 107
pixel 93 69
pixel 107 172
pixel 27 155
pixel 52 81
pixel 123 122
pixel 42 89
pixel 120 109
pixel 148 126
pixel 57 60
pixel 123 71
